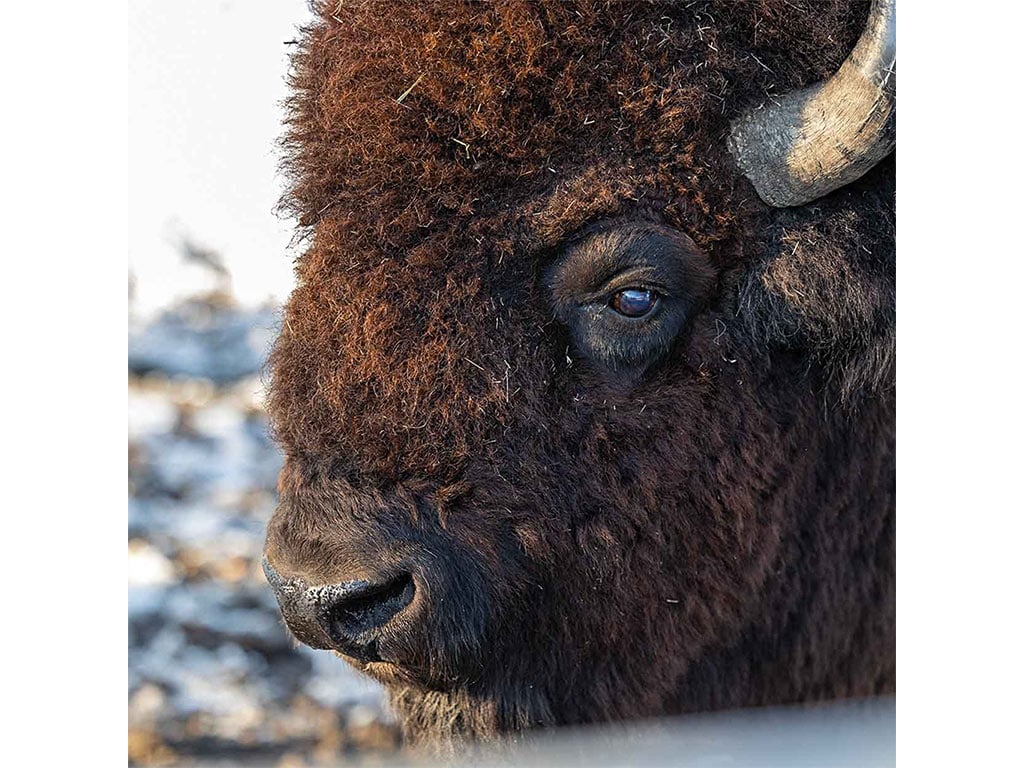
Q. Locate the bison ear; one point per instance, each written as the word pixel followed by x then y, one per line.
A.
pixel 815 140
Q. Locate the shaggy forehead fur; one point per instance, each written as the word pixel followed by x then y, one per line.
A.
pixel 438 151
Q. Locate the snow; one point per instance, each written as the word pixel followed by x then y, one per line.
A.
pixel 196 340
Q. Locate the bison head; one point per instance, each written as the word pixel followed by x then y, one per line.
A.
pixel 576 426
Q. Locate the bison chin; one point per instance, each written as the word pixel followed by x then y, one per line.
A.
pixel 443 719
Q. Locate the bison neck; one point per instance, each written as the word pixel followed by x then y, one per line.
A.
pixel 826 626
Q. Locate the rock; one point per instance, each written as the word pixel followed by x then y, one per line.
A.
pixel 145 747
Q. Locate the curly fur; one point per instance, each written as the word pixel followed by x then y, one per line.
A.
pixel 717 533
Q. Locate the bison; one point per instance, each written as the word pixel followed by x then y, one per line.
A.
pixel 586 389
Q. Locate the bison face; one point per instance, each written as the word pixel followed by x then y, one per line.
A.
pixel 575 427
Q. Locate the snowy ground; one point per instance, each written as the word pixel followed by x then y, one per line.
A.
pixel 212 674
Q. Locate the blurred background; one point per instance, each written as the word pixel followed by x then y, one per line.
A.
pixel 212 674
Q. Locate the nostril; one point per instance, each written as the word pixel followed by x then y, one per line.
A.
pixel 356 608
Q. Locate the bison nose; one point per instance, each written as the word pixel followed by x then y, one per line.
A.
pixel 344 617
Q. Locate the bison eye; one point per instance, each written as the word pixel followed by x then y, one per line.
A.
pixel 626 291
pixel 634 302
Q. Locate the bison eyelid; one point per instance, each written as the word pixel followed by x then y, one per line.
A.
pixel 624 282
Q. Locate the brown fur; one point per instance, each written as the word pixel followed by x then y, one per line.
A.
pixel 717 532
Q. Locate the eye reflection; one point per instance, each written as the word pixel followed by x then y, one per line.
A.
pixel 634 302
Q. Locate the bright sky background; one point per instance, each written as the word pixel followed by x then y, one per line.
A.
pixel 205 79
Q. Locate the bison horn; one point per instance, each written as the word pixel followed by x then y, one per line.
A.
pixel 812 141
